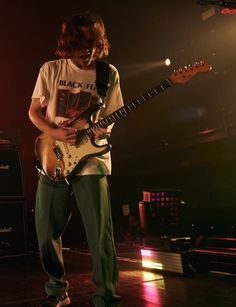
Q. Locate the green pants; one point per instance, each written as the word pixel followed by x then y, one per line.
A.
pixel 52 215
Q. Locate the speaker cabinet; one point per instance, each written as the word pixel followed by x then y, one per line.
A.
pixel 10 173
pixel 12 228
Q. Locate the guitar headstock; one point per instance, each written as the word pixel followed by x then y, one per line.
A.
pixel 184 74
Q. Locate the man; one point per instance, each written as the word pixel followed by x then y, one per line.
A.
pixel 66 88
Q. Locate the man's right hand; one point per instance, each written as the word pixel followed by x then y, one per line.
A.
pixel 64 134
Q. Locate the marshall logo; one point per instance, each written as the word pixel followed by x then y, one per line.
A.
pixel 4 167
pixel 6 230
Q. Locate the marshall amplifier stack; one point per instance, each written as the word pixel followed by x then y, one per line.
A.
pixel 12 228
pixel 12 202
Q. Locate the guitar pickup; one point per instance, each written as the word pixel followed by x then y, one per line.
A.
pixel 58 152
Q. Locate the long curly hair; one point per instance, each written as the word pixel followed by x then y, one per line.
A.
pixel 72 37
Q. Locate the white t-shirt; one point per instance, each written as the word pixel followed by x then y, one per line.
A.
pixel 62 87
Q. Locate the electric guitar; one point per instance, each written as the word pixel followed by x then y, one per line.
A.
pixel 60 160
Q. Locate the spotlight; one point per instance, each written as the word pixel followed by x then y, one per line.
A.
pixel 167 62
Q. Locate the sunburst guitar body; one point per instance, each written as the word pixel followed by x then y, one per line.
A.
pixel 59 160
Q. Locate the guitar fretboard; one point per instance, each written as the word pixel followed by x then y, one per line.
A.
pixel 126 109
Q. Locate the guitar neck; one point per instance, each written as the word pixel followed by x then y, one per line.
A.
pixel 128 108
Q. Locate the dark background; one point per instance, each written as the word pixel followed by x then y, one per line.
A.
pixel 184 138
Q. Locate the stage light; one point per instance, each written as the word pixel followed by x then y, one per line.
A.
pixel 164 260
pixel 152 265
pixel 167 62
pixel 228 11
pixel 145 252
pixel 138 68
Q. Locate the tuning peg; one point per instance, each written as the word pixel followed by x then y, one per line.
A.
pixel 196 64
pixel 200 63
pixel 176 71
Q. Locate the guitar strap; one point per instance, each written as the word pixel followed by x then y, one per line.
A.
pixel 102 78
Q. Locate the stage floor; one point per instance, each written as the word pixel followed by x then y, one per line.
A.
pixel 22 280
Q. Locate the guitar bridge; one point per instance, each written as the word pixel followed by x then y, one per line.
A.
pixel 58 152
